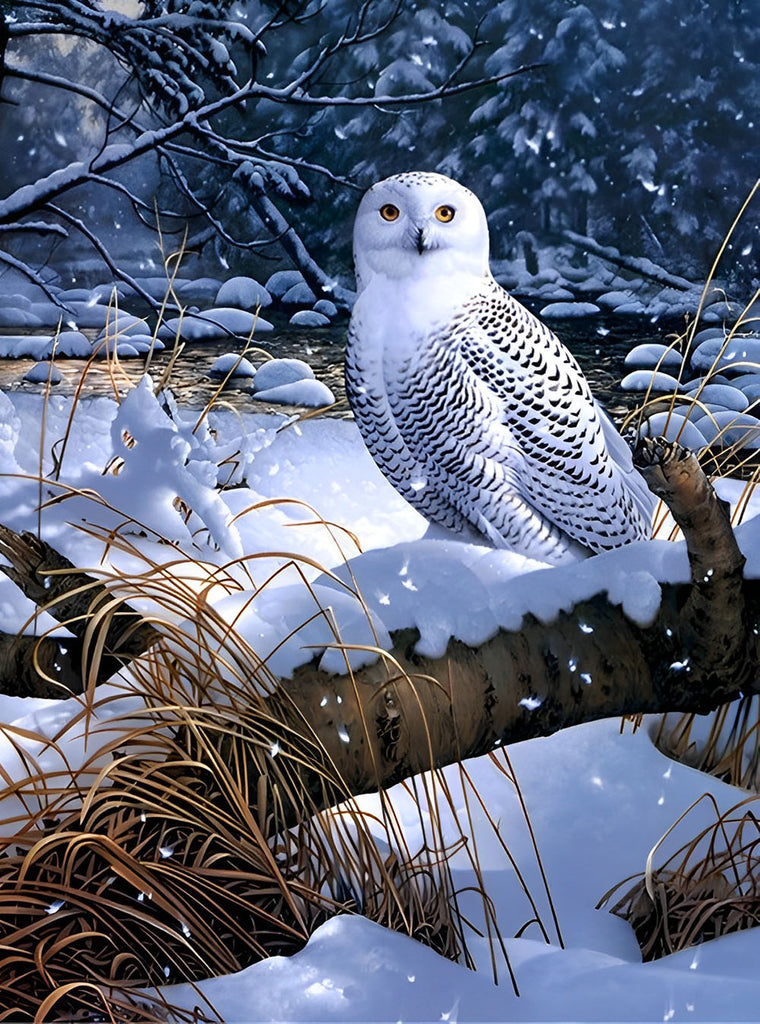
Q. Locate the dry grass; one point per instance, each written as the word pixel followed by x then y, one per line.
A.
pixel 709 887
pixel 164 852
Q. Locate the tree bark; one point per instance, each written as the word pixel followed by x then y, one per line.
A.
pixel 405 713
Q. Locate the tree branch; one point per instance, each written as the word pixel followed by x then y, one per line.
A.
pixel 406 713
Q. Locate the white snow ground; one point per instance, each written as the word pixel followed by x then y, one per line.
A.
pixel 598 800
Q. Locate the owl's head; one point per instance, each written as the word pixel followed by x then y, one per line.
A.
pixel 418 224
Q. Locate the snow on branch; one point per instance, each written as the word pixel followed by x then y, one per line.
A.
pixel 180 87
pixel 405 712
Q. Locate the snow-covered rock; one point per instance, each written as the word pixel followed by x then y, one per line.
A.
pixel 276 372
pixel 73 344
pixel 613 299
pixel 740 354
pixel 15 300
pixel 563 310
pixel 26 346
pixel 41 373
pixel 309 318
pixel 11 316
pixel 214 323
pixel 298 294
pixel 48 313
pixel 675 427
pixel 724 395
pixel 144 343
pixel 696 383
pixel 326 308
pixel 121 324
pixel 311 393
pixel 87 314
pixel 231 363
pixel 107 291
pixel 282 280
pixel 730 428
pixel 243 292
pixel 158 286
pixel 649 380
pixel 200 289
pixel 652 355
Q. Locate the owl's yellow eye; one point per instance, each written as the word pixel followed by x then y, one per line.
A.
pixel 389 212
pixel 444 214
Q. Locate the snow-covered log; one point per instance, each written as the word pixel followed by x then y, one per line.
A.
pixel 405 713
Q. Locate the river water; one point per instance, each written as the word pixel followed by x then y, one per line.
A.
pixel 599 345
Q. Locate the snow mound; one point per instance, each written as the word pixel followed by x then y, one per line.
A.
pixel 110 347
pixel 120 324
pixel 12 316
pixel 231 363
pixel 563 310
pixel 311 393
pixel 747 382
pixel 309 318
pixel 724 395
pixel 326 308
pixel 615 299
pixel 651 355
pixel 276 372
pixel 15 302
pixel 214 323
pixel 243 292
pixel 740 354
pixel 41 373
pixel 675 427
pixel 87 314
pixel 298 294
pixel 649 380
pixel 73 344
pixel 26 346
pixel 281 280
pixel 730 428
pixel 200 289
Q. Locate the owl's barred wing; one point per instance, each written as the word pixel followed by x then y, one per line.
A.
pixel 576 469
pixel 454 458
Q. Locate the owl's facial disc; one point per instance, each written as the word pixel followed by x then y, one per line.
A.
pixel 418 223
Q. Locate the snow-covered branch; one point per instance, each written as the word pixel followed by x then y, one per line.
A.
pixel 405 712
pixel 168 89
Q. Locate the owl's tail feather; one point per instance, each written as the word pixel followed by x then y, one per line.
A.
pixel 620 453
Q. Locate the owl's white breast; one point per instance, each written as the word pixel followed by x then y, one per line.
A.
pixel 394 317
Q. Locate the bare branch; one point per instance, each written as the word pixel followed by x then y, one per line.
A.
pixel 104 254
pixel 33 276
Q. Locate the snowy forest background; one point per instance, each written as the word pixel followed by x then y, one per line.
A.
pixel 258 124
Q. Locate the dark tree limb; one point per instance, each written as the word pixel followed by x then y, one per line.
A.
pixel 50 666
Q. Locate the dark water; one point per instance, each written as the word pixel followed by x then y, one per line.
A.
pixel 600 346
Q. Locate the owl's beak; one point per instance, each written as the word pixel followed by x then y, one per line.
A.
pixel 422 240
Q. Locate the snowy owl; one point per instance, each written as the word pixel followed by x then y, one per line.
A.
pixel 471 407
